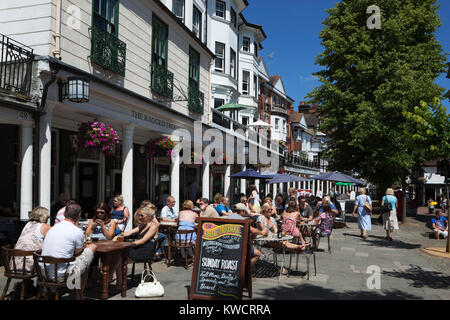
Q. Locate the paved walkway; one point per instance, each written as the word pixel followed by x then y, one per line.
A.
pixel 406 272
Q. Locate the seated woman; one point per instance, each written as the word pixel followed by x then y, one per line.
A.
pixel 31 239
pixel 147 235
pixel 32 235
pixel 186 219
pixel 102 226
pixel 325 221
pixel 266 221
pixel 290 219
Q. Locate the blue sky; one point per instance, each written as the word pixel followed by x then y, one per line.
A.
pixel 292 28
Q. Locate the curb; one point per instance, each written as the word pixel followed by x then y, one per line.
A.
pixel 436 252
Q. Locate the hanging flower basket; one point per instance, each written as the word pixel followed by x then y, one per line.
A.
pixel 160 147
pixel 96 135
pixel 258 166
pixel 196 158
pixel 282 170
pixel 220 160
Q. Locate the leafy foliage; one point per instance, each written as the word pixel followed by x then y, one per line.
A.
pixel 370 78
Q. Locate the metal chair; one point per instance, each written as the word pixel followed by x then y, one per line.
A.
pixel 180 240
pixel 15 268
pixel 47 274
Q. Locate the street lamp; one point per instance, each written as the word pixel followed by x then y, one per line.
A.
pixel 76 89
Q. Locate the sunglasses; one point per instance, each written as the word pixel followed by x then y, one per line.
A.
pixel 100 212
pixel 141 216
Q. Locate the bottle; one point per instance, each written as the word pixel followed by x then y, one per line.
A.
pixel 280 235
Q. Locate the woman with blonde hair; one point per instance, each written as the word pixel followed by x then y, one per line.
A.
pixel 266 221
pixel 364 214
pixel 147 234
pixel 390 222
pixel 120 213
pixel 33 234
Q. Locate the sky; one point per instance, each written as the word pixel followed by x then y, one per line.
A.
pixel 292 28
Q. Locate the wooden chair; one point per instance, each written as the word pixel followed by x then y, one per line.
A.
pixel 180 240
pixel 151 260
pixel 15 268
pixel 47 274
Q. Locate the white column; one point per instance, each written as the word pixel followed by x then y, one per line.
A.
pixel 314 187
pixel 243 181
pixel 257 185
pixel 127 172
pixel 227 181
pixel 274 186
pixel 175 181
pixel 45 154
pixel 26 170
pixel 205 179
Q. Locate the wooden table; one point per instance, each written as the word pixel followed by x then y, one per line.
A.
pixel 109 252
pixel 167 224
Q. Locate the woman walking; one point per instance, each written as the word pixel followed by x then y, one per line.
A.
pixel 364 214
pixel 390 222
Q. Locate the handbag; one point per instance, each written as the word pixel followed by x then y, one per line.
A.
pixel 149 289
pixel 367 205
pixel 386 207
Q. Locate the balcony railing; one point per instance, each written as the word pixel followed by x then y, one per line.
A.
pixel 15 67
pixel 108 51
pixel 162 80
pixel 226 122
pixel 195 99
pixel 301 161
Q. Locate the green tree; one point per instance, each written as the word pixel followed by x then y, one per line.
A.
pixel 428 127
pixel 370 77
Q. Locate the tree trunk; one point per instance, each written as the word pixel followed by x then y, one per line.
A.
pixel 404 189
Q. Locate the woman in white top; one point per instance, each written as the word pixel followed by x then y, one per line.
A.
pixel 32 235
pixel 364 215
pixel 390 222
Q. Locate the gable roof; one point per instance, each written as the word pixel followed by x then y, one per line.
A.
pixel 311 120
pixel 277 83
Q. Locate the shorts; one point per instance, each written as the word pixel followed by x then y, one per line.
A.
pixel 82 262
pixel 441 233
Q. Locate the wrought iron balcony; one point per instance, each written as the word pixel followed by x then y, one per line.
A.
pixel 162 80
pixel 195 99
pixel 220 119
pixel 15 67
pixel 108 51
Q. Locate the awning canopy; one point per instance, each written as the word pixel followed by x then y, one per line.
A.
pixel 250 174
pixel 283 178
pixel 232 107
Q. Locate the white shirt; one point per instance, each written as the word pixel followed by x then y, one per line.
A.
pixel 169 213
pixel 61 242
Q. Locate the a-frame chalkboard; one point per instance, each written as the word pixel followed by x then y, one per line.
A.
pixel 221 256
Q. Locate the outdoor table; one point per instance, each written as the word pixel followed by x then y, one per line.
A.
pixel 272 239
pixel 167 224
pixel 109 252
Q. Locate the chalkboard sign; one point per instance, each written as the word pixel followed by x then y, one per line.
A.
pixel 221 253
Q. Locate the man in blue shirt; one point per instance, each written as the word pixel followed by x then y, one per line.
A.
pixel 169 213
pixel 440 225
pixel 223 209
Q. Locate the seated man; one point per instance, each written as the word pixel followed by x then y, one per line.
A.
pixel 319 206
pixel 241 211
pixel 65 240
pixel 207 211
pixel 223 209
pixel 169 213
pixel 440 225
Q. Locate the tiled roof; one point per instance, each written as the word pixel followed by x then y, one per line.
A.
pixel 311 120
pixel 295 117
pixel 274 79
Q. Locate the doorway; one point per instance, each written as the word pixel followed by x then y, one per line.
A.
pixel 87 187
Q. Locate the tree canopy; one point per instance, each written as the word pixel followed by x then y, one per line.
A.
pixel 370 78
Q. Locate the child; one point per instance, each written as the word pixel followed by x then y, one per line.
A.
pixel 325 221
